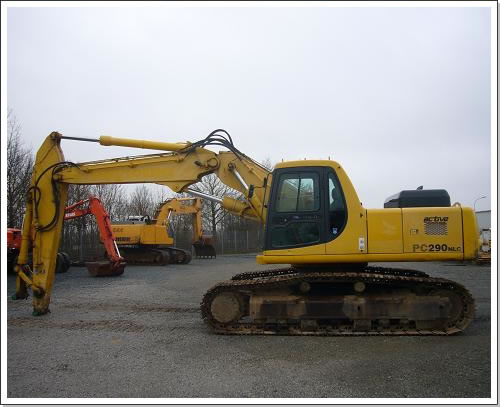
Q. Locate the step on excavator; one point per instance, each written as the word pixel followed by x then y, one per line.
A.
pixel 93 206
pixel 143 240
pixel 315 225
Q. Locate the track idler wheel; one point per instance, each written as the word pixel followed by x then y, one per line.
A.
pixel 180 256
pixel 226 307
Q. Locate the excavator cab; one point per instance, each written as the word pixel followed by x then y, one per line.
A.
pixel 307 208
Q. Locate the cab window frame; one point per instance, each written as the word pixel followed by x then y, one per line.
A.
pixel 313 216
pixel 330 235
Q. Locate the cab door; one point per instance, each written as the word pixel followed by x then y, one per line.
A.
pixel 296 212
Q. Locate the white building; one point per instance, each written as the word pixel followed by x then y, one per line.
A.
pixel 484 219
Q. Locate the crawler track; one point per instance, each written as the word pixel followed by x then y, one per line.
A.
pixel 435 306
pixel 155 256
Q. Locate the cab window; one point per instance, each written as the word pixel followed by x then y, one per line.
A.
pixel 337 207
pixel 298 193
pixel 296 220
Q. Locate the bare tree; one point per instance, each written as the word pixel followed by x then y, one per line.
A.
pixel 141 201
pixel 161 195
pixel 213 213
pixel 76 232
pixel 113 198
pixel 266 162
pixel 19 168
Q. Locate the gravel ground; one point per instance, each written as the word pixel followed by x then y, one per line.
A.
pixel 141 335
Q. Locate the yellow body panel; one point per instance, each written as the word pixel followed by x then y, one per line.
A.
pixel 385 234
pixel 269 257
pixel 471 236
pixel 161 236
pixel 353 238
pixel 394 234
pixel 127 234
pixel 432 230
pixel 318 249
pixel 141 233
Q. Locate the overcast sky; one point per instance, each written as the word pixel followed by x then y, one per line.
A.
pixel 399 96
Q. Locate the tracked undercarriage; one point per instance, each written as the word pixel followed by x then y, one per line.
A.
pixel 372 301
pixel 155 256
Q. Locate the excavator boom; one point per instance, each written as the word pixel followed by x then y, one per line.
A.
pixel 203 244
pixel 183 165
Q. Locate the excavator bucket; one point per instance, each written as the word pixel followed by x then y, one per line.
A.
pixel 105 268
pixel 205 248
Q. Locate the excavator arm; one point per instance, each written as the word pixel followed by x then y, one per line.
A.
pixel 96 208
pixel 177 165
pixel 203 244
pixel 178 206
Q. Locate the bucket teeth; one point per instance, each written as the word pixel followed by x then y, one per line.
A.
pixel 105 268
pixel 204 250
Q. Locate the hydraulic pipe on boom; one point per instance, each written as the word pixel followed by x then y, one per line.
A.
pixel 229 204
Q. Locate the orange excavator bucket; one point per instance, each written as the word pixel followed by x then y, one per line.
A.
pixel 205 247
pixel 105 268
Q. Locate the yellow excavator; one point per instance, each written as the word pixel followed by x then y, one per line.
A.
pixel 143 240
pixel 315 224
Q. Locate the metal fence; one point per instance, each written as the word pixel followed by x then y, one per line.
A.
pixel 239 241
pixel 83 244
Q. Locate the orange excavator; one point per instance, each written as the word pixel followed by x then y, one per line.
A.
pixel 116 265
